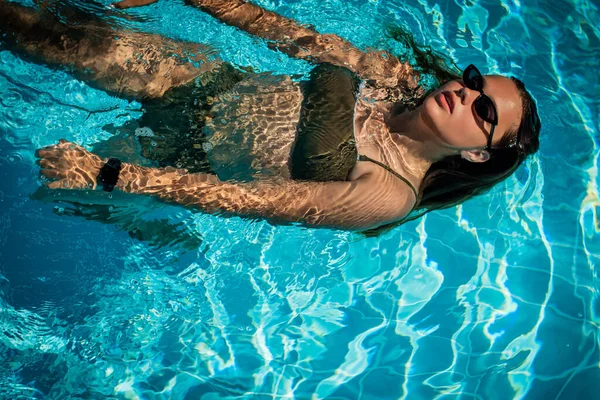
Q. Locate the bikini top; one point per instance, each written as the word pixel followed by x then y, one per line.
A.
pixel 325 147
pixel 362 157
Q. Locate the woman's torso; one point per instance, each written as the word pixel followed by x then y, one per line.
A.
pixel 251 131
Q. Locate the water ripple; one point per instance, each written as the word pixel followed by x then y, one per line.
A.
pixel 473 301
pixel 11 98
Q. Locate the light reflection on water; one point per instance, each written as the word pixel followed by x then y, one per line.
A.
pixel 497 298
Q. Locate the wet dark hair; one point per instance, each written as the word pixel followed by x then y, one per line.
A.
pixel 453 180
pixel 424 59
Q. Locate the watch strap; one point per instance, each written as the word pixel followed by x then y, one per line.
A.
pixel 109 174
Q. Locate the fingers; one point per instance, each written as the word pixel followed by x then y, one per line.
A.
pixel 56 150
pixel 68 183
pixel 49 150
pixel 52 173
pixel 47 163
pixel 64 179
pixel 48 177
pixel 68 166
pixel 44 152
pixel 63 144
pixel 58 185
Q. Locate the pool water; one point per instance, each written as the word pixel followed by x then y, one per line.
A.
pixel 495 299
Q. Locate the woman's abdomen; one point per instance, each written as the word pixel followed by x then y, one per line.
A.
pixel 250 131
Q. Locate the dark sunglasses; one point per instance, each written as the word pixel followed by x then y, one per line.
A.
pixel 484 106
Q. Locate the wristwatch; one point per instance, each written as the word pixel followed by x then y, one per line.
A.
pixel 109 174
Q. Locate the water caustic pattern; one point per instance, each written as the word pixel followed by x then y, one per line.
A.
pixel 495 299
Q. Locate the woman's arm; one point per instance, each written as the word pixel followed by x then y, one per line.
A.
pixel 364 203
pixel 353 205
pixel 304 42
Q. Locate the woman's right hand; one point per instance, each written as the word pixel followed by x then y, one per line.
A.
pixel 133 3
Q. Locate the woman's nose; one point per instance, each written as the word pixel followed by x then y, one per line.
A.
pixel 467 95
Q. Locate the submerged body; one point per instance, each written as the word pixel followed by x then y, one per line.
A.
pixel 248 127
pixel 251 130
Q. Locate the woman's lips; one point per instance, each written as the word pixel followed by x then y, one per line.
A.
pixel 444 99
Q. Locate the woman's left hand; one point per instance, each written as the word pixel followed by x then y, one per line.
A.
pixel 68 166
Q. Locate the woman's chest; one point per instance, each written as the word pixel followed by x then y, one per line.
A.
pixel 373 138
pixel 370 129
pixel 252 131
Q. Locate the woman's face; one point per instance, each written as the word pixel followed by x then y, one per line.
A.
pixel 450 113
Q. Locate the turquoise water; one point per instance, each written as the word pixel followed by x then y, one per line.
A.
pixel 495 299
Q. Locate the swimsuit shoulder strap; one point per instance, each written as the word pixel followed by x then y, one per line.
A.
pixel 362 157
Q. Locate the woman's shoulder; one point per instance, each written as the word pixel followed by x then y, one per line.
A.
pixel 396 193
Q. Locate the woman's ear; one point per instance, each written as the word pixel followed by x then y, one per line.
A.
pixel 475 155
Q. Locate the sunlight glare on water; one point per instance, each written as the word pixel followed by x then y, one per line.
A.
pixel 493 299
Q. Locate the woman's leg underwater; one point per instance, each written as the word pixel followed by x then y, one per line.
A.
pixel 127 64
pixel 159 72
pixel 130 65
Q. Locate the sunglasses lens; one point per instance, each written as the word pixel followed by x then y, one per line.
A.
pixel 484 107
pixel 473 79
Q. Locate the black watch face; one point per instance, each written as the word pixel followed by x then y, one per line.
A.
pixel 109 175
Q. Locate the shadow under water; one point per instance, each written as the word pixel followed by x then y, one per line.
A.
pixel 140 217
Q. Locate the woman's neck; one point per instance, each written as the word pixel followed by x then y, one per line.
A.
pixel 415 140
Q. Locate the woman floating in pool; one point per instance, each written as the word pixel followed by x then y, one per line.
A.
pixel 357 146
